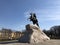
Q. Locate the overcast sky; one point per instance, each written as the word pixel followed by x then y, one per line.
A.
pixel 14 13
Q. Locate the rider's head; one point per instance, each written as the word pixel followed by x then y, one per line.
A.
pixel 34 14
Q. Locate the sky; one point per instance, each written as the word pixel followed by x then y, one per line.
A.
pixel 14 13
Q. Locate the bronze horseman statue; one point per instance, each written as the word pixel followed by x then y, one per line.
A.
pixel 33 19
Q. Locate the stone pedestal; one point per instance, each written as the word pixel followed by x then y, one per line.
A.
pixel 33 34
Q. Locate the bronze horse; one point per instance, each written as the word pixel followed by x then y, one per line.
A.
pixel 33 18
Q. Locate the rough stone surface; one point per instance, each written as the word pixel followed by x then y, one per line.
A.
pixel 33 34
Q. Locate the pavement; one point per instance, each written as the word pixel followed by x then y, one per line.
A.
pixel 15 42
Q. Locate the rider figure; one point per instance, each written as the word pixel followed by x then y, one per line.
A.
pixel 33 18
